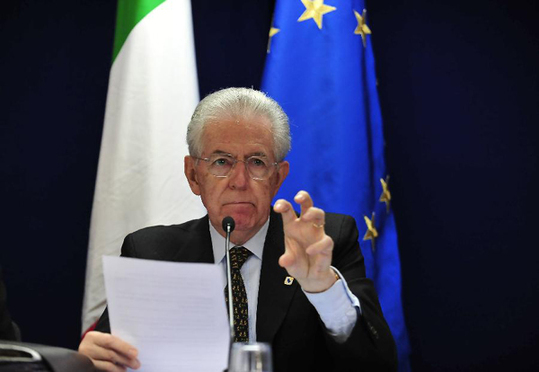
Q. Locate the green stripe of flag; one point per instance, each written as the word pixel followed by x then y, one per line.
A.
pixel 129 13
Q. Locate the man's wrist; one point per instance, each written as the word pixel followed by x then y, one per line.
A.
pixel 321 285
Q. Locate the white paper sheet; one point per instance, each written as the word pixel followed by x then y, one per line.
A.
pixel 173 313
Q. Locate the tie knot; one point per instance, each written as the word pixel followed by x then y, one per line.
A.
pixel 238 256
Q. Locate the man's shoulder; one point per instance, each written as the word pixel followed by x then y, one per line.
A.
pixel 341 226
pixel 171 243
pixel 332 220
pixel 171 230
pixel 163 236
pixel 339 219
pixel 336 224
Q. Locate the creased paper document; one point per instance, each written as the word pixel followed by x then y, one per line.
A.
pixel 173 313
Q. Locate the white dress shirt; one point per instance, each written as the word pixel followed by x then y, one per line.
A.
pixel 336 306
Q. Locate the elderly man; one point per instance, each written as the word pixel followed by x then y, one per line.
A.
pixel 304 276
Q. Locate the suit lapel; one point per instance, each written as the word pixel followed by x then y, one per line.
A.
pixel 194 242
pixel 274 295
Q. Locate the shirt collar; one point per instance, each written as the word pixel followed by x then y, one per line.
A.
pixel 255 244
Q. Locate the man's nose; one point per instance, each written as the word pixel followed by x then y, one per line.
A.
pixel 239 178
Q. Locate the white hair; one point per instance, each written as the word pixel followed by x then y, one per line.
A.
pixel 235 104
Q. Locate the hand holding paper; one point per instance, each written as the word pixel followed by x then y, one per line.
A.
pixel 173 313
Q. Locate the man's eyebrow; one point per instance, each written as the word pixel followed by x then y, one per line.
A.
pixel 221 152
pixel 259 154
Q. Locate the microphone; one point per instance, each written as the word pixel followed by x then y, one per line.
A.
pixel 228 226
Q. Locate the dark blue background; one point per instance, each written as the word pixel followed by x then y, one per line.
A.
pixel 459 89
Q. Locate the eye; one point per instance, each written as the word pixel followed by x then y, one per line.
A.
pixel 257 162
pixel 221 161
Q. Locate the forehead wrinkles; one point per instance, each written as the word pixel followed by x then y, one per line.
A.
pixel 250 128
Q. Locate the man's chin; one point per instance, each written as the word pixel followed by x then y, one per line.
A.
pixel 245 216
pixel 245 230
pixel 243 222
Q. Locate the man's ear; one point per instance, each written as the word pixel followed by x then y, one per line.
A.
pixel 282 172
pixel 191 174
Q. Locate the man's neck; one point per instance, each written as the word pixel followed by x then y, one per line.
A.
pixel 238 237
pixel 255 244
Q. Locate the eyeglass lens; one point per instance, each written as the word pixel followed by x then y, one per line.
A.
pixel 221 166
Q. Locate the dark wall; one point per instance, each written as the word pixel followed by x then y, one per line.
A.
pixel 459 89
pixel 54 65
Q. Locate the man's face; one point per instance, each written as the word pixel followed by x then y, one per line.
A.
pixel 246 200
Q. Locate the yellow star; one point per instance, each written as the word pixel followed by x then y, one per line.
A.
pixel 371 233
pixel 386 195
pixel 362 28
pixel 273 31
pixel 315 9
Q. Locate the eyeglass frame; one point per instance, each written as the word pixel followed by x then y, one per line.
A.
pixel 207 160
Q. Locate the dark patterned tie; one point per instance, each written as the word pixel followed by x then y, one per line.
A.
pixel 238 256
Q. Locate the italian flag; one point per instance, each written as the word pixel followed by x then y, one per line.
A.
pixel 152 93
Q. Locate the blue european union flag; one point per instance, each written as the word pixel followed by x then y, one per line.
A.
pixel 320 68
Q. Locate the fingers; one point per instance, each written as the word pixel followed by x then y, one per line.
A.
pixel 309 213
pixel 285 209
pixel 315 216
pixel 322 250
pixel 304 200
pixel 308 250
pixel 108 341
pixel 323 247
pixel 108 366
pixel 286 261
pixel 108 352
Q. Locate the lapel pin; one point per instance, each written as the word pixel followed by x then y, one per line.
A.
pixel 288 280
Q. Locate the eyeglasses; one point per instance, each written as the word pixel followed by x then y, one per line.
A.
pixel 258 167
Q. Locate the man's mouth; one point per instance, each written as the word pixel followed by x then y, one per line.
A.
pixel 238 204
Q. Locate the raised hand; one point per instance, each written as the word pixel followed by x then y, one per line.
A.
pixel 308 250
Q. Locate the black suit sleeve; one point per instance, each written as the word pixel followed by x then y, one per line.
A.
pixel 371 344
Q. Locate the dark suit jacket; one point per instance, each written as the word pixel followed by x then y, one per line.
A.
pixel 285 318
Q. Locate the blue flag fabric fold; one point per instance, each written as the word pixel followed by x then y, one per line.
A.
pixel 323 76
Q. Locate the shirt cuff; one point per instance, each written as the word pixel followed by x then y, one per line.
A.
pixel 338 308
